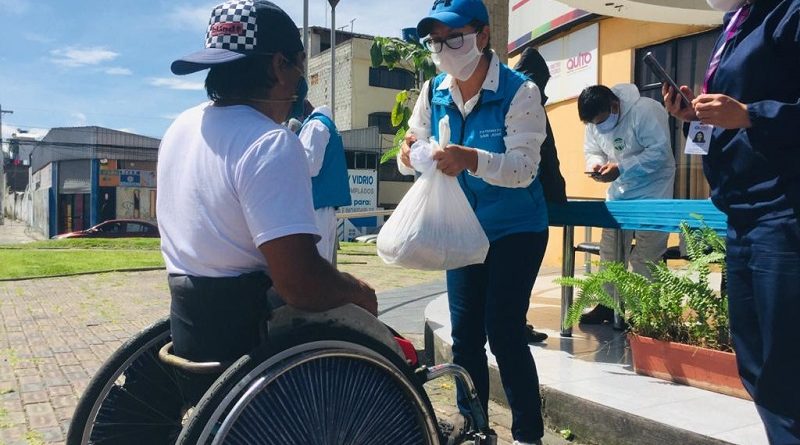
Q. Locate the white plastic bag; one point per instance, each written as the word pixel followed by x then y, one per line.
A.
pixel 433 227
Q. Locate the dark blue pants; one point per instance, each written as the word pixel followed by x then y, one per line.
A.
pixel 491 300
pixel 764 303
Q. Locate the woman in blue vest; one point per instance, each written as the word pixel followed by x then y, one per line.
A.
pixel 328 168
pixel 751 97
pixel 497 126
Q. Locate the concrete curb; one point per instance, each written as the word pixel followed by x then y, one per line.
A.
pixel 589 421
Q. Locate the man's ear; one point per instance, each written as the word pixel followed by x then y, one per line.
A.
pixel 279 65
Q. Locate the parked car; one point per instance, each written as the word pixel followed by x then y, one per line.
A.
pixel 116 228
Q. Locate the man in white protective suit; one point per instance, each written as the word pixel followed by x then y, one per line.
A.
pixel 627 144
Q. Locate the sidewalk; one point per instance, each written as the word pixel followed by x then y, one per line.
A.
pixel 589 386
pixel 56 332
pixel 15 232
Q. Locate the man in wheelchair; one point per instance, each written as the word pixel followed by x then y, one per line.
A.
pixel 235 207
pixel 237 221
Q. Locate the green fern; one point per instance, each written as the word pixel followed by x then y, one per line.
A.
pixel 674 304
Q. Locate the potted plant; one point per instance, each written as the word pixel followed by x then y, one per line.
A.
pixel 678 324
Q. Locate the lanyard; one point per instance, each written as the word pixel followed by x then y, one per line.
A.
pixel 730 31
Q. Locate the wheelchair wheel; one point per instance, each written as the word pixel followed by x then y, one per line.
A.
pixel 327 387
pixel 134 398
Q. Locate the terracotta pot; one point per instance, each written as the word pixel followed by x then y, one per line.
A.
pixel 690 365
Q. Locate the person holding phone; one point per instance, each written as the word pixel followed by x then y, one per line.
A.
pixel 627 145
pixel 751 97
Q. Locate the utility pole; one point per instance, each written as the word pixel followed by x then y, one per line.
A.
pixel 2 163
pixel 305 38
pixel 333 57
pixel 351 25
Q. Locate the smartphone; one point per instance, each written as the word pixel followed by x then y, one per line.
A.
pixel 662 75
pixel 592 174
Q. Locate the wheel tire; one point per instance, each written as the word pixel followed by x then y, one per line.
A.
pixel 149 388
pixel 234 379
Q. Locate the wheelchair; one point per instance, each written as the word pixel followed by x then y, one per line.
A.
pixel 338 377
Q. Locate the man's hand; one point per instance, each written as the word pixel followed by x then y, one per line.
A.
pixel 405 150
pixel 721 111
pixel 608 172
pixel 364 294
pixel 453 159
pixel 672 101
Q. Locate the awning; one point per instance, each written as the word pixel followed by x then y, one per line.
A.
pixel 686 12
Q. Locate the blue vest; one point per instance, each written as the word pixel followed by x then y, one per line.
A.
pixel 501 210
pixel 331 186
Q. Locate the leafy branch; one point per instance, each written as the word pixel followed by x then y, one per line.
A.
pixel 394 53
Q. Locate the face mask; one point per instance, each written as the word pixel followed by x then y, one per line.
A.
pixel 299 104
pixel 608 125
pixel 725 5
pixel 459 63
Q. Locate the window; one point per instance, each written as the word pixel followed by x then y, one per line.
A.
pixel 381 120
pixel 360 159
pixel 396 79
pixel 685 60
pixel 388 172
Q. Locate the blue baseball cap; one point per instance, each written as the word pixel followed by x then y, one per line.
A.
pixel 453 13
pixel 241 28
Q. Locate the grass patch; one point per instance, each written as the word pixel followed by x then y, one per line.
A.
pixel 89 243
pixel 357 249
pixel 29 263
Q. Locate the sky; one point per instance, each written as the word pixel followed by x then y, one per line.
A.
pixel 106 63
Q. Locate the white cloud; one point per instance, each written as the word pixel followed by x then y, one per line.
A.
pixel 9 130
pixel 14 6
pixel 72 56
pixel 176 84
pixel 192 17
pixel 35 37
pixel 80 119
pixel 118 71
pixel 170 117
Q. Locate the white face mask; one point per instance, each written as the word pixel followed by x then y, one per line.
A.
pixel 725 5
pixel 459 63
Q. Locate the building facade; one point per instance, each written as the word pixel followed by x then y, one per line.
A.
pixel 587 43
pixel 81 176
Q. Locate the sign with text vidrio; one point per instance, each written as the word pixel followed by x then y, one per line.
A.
pixel 363 190
pixel 573 63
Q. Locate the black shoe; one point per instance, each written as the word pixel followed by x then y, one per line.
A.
pixel 533 335
pixel 454 430
pixel 599 315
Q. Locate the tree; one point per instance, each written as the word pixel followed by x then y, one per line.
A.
pixel 392 53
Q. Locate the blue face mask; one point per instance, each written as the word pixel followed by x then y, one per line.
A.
pixel 608 125
pixel 299 104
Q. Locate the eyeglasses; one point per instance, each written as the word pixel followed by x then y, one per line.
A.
pixel 454 41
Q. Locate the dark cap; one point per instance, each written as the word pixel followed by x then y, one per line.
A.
pixel 454 14
pixel 241 28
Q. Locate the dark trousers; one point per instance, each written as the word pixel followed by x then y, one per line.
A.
pixel 216 320
pixel 491 300
pixel 764 303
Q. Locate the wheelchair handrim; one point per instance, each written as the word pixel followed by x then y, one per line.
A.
pixel 252 383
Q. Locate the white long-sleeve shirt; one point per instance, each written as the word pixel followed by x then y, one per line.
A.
pixel 315 137
pixel 525 125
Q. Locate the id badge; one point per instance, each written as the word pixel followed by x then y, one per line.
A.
pixel 698 139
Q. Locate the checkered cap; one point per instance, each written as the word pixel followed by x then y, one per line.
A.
pixel 239 28
pixel 233 26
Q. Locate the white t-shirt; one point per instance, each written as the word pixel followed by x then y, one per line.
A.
pixel 229 180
